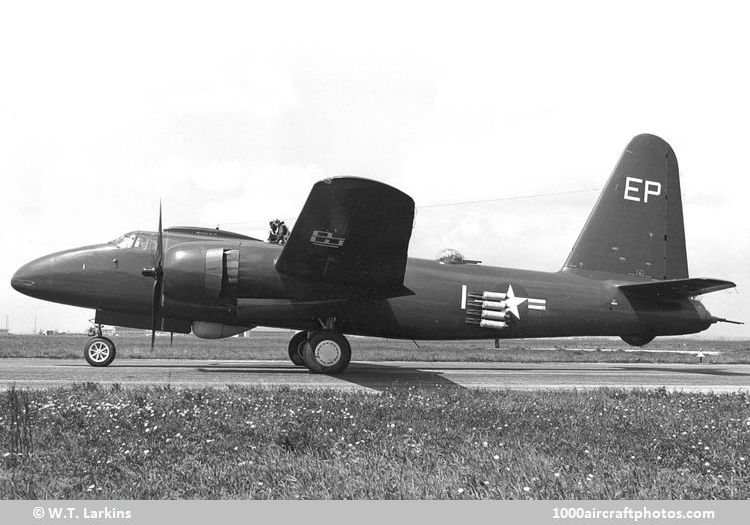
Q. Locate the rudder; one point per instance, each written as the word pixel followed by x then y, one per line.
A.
pixel 636 227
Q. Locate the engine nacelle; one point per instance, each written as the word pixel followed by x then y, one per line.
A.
pixel 194 273
pixel 206 330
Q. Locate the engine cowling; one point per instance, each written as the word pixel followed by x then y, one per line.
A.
pixel 196 273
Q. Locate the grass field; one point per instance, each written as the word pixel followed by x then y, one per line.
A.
pixel 439 442
pixel 273 345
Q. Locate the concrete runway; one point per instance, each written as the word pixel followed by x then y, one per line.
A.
pixel 375 376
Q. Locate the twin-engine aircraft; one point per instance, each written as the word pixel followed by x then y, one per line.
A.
pixel 344 270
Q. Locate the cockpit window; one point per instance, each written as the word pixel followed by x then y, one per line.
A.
pixel 145 243
pixel 125 241
pixel 139 240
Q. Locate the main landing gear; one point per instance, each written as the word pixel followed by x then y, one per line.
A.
pixel 99 350
pixel 322 351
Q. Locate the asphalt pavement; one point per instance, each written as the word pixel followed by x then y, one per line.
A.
pixel 376 376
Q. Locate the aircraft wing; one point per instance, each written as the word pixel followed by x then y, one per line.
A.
pixel 351 231
pixel 677 287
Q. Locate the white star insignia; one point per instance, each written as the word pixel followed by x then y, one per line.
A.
pixel 513 302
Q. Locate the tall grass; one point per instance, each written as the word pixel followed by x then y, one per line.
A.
pixel 19 428
pixel 428 442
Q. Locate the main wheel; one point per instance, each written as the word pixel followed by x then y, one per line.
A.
pixel 327 352
pixel 99 351
pixel 296 346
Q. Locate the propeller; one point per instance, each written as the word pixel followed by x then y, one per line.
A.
pixel 157 273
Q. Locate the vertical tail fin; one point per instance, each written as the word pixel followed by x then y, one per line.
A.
pixel 636 227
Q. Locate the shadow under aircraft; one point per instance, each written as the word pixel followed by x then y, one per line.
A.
pixel 345 270
pixel 375 376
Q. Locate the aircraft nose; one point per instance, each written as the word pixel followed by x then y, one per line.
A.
pixel 28 278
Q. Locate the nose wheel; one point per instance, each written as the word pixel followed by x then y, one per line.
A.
pixel 99 351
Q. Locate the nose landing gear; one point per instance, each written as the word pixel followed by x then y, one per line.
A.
pixel 99 350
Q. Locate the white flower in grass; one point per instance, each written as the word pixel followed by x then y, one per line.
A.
pixel 526 489
pixel 496 457
pixel 460 491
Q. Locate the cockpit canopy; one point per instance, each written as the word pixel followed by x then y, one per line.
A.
pixel 141 240
pixel 451 256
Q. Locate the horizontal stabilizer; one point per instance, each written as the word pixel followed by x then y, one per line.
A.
pixel 351 231
pixel 676 287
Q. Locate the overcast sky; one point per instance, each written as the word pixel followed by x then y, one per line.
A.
pixel 230 112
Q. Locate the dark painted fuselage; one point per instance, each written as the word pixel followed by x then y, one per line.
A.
pixel 438 300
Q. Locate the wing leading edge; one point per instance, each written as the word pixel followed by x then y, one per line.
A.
pixel 351 231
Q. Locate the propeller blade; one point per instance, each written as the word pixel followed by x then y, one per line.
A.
pixel 159 243
pixel 156 299
pixel 157 273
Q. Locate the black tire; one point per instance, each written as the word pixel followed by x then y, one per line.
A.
pixel 99 351
pixel 296 347
pixel 327 352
